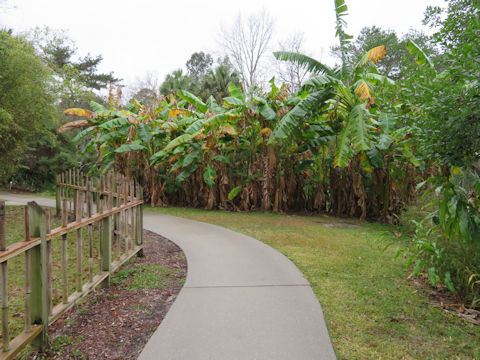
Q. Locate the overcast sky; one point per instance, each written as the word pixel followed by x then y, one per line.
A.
pixel 135 37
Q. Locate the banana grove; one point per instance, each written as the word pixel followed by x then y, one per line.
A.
pixel 333 147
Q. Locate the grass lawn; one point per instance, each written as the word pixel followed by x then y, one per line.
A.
pixel 372 311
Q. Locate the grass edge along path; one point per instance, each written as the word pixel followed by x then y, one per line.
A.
pixel 372 311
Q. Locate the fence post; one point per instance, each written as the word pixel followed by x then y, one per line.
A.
pixel 140 221
pixel 79 238
pixel 106 248
pixel 90 229
pixel 58 208
pixel 106 236
pixel 38 274
pixel 4 290
pixel 75 203
pixel 49 264
pixel 117 216
pixel 64 253
pixel 141 215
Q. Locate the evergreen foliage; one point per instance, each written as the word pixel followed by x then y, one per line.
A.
pixel 27 107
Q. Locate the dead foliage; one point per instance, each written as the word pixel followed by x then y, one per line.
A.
pixel 443 299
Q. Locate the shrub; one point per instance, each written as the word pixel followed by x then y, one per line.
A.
pixel 446 244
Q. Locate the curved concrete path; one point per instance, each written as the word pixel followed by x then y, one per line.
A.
pixel 241 300
pixel 21 199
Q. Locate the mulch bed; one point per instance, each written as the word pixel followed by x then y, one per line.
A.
pixel 116 322
pixel 443 299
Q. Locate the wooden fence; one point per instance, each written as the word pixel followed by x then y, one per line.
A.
pixel 109 211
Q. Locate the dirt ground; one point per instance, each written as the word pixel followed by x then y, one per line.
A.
pixel 116 322
pixel 445 300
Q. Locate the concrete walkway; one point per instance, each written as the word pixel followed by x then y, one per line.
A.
pixel 21 199
pixel 241 300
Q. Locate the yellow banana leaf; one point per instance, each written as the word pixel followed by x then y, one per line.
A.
pixel 365 163
pixel 374 55
pixel 176 112
pixel 174 158
pixel 72 125
pixel 227 129
pixel 364 92
pixel 199 136
pixel 265 132
pixel 80 112
pixel 210 142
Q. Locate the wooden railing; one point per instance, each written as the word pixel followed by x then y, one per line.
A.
pixel 109 214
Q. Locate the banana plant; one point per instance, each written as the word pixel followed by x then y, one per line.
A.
pixel 348 106
pixel 196 138
pixel 127 138
pixel 344 98
pixel 228 143
pixel 361 128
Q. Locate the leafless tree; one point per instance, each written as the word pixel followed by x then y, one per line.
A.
pixel 246 44
pixel 144 88
pixel 289 72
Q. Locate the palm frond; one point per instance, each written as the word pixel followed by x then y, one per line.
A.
pixel 305 61
pixel 236 92
pixel 182 139
pixel 359 128
pixel 321 80
pixel 347 100
pixel 192 99
pixel 344 38
pixel 292 119
pixel 200 123
pixel 343 152
pixel 232 101
pixel 356 132
pixel 420 57
pixel 377 78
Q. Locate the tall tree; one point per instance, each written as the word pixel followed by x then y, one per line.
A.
pixel 177 80
pixel 246 43
pixel 77 79
pixel 202 79
pixel 198 64
pixel 449 123
pixel 216 81
pixel 398 61
pixel 74 83
pixel 26 102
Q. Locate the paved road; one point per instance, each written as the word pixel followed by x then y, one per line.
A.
pixel 241 300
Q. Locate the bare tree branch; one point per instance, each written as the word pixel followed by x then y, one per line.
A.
pixel 288 72
pixel 246 44
pixel 144 88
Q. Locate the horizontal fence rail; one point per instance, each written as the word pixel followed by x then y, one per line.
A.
pixel 101 228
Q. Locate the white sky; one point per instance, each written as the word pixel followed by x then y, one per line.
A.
pixel 142 36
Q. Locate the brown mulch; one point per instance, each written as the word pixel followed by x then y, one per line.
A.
pixel 116 322
pixel 443 299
